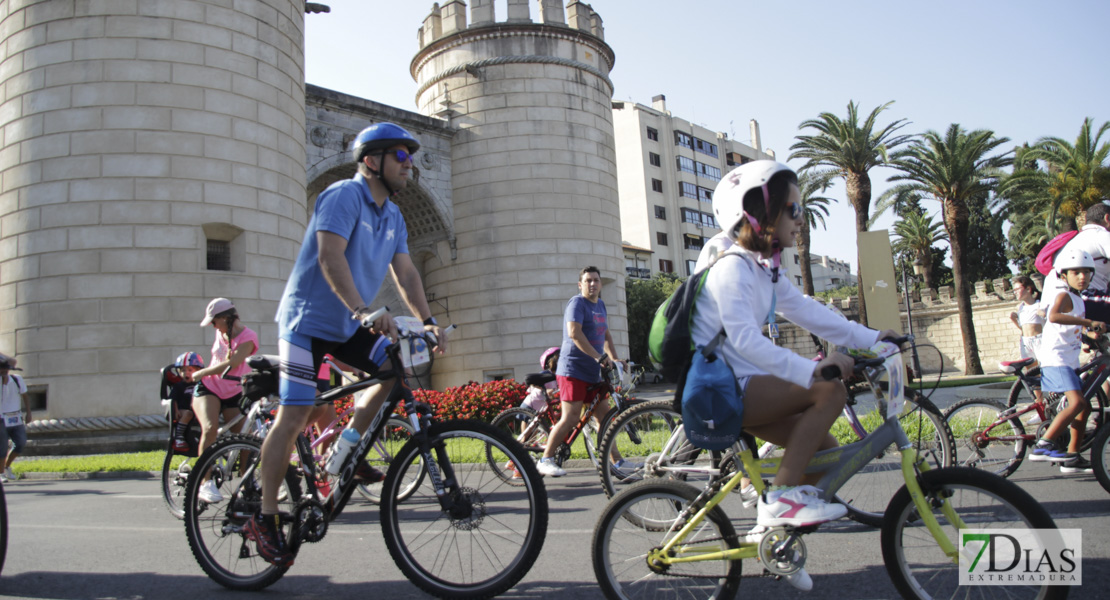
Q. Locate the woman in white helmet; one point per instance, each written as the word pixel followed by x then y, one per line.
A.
pixel 785 400
pixel 1059 358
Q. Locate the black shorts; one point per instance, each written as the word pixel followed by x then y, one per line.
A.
pixel 302 355
pixel 225 403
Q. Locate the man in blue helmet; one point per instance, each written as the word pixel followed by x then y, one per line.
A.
pixel 356 234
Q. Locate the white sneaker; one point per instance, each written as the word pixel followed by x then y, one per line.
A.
pixel 209 493
pixel 800 579
pixel 3 477
pixel 754 535
pixel 10 475
pixel 1034 420
pixel 799 506
pixel 626 467
pixel 749 496
pixel 547 466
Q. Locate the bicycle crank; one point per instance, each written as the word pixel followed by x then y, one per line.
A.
pixel 311 521
pixel 782 552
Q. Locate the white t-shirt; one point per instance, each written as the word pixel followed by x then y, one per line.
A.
pixel 1060 344
pixel 1030 314
pixel 1095 240
pixel 715 247
pixel 737 297
pixel 11 394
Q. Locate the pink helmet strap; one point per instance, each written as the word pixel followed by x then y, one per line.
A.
pixel 766 210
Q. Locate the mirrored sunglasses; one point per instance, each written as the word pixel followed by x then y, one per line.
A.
pixel 795 210
pixel 401 155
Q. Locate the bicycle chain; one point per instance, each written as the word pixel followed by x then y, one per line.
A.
pixel 734 537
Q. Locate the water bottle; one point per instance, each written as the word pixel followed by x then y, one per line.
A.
pixel 343 446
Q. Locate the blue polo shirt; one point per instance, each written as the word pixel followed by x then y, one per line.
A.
pixel 374 235
pixel 594 319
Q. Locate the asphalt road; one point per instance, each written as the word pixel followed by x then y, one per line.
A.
pixel 112 538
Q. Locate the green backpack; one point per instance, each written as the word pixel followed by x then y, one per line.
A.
pixel 670 343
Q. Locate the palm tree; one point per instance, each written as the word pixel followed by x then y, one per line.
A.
pixel 1078 175
pixel 814 208
pixel 955 169
pixel 917 232
pixel 851 149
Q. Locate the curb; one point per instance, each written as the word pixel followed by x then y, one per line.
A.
pixel 63 476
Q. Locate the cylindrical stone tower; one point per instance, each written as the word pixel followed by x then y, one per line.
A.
pixel 534 185
pixel 153 158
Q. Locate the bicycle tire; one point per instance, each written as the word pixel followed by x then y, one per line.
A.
pixel 1100 458
pixel 494 523
pixel 1018 394
pixel 590 440
pixel 869 490
pixel 173 483
pixel 396 433
pixel 653 424
pixel 3 527
pixel 635 521
pixel 915 564
pixel 968 419
pixel 215 531
pixel 513 422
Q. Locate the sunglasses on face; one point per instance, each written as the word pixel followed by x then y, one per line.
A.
pixel 402 156
pixel 795 210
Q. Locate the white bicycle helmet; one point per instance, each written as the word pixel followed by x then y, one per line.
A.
pixel 1073 258
pixel 728 198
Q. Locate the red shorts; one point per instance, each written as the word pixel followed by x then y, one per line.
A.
pixel 576 390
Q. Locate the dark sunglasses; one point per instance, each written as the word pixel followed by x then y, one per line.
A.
pixel 401 155
pixel 795 210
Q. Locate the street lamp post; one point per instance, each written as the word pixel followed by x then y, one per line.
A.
pixel 909 319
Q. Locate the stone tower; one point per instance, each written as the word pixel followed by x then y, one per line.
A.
pixel 153 158
pixel 534 184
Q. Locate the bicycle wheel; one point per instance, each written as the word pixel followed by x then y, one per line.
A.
pixel 485 533
pixel 641 434
pixel 869 490
pixel 919 569
pixel 397 431
pixel 590 440
pixel 640 519
pixel 173 482
pixel 3 527
pixel 1100 458
pixel 215 531
pixel 524 426
pixel 976 445
pixel 1019 394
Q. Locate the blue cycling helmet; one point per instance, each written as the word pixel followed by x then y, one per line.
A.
pixel 381 136
pixel 189 359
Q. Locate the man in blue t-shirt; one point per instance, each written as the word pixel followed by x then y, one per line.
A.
pixel 587 344
pixel 355 236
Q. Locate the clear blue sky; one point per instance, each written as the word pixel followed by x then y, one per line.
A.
pixel 1022 69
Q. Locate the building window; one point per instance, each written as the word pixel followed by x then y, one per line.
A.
pixel 660 238
pixel 690 264
pixel 681 139
pixel 224 247
pixel 693 242
pixel 796 261
pixel 708 171
pixel 709 220
pixel 656 185
pixel 691 216
pixel 666 266
pixel 654 160
pixel 660 213
pixel 653 134
pixel 685 164
pixel 705 147
pixel 219 255
pixel 687 190
pixel 798 278
pixel 705 194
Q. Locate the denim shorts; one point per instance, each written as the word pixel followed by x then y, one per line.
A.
pixel 18 436
pixel 1059 379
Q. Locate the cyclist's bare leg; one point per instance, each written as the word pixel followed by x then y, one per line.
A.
pixel 770 400
pixel 603 409
pixel 369 403
pixel 276 448
pixel 1073 415
pixel 779 433
pixel 207 409
pixel 572 412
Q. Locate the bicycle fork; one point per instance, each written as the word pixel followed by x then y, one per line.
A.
pixel 911 466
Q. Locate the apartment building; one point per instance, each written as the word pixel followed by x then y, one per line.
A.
pixel 667 169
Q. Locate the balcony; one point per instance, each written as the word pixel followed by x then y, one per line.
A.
pixel 638 273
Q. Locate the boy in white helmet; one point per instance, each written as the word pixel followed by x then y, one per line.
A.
pixel 785 401
pixel 1059 358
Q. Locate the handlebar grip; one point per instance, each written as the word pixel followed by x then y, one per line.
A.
pixel 433 340
pixel 368 320
pixel 830 372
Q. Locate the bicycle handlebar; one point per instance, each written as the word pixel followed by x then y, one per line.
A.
pixel 831 372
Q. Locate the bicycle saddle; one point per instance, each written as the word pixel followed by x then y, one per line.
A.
pixel 264 362
pixel 1012 366
pixel 539 379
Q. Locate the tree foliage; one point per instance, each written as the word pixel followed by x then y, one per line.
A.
pixel 643 297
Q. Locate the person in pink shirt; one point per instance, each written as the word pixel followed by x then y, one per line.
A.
pixel 213 394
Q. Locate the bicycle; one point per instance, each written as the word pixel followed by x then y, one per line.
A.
pixel 866 495
pixel 532 428
pixel 666 538
pixel 992 435
pixel 3 527
pixel 492 531
pixel 174 479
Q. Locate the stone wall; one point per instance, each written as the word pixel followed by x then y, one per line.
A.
pixel 936 321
